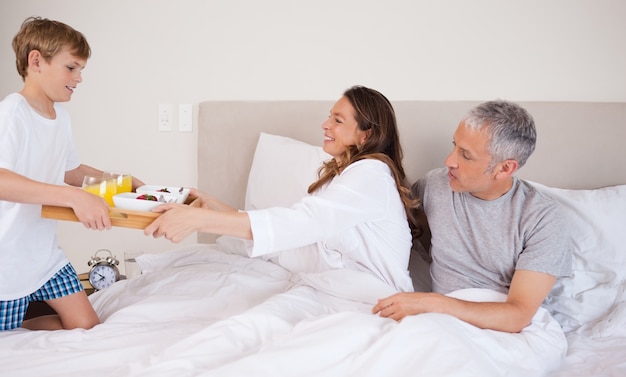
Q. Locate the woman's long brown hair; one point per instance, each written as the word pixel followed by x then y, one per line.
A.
pixel 374 114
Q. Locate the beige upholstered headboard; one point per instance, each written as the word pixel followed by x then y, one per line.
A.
pixel 580 145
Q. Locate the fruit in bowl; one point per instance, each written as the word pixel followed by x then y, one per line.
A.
pixel 148 197
pixel 180 193
pixel 141 201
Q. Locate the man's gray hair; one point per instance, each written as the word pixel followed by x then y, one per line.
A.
pixel 511 130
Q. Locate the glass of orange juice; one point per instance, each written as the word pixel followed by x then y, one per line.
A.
pixel 123 182
pixel 99 186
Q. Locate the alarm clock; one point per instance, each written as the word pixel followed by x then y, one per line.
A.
pixel 103 271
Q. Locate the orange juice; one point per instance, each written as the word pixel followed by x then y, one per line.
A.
pixel 110 190
pixel 96 189
pixel 124 183
pixel 104 189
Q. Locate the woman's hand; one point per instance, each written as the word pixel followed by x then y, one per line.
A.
pixel 176 222
pixel 203 200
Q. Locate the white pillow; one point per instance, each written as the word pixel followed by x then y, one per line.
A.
pixel 598 228
pixel 281 172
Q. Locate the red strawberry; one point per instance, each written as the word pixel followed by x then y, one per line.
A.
pixel 147 197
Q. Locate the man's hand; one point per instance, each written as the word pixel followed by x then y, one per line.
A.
pixel 527 292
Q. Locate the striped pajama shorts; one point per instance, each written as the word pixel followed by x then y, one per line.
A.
pixel 65 282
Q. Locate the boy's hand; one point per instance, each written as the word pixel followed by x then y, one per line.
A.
pixel 92 210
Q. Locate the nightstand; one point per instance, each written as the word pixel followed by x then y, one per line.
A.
pixel 84 279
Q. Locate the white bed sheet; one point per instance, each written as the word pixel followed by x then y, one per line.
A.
pixel 198 311
pixel 598 350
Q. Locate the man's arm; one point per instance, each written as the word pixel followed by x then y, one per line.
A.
pixel 527 292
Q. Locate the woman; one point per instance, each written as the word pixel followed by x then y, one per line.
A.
pixel 355 217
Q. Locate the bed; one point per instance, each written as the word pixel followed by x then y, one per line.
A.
pixel 206 309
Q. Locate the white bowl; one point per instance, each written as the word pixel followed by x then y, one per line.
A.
pixel 181 196
pixel 131 201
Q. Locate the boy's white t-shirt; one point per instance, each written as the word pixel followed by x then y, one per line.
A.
pixel 42 150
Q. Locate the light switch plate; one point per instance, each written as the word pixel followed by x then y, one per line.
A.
pixel 185 117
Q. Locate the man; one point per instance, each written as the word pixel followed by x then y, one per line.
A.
pixel 490 230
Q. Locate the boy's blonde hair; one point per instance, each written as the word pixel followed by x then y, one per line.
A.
pixel 48 37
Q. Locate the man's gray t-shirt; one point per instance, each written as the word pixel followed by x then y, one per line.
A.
pixel 480 243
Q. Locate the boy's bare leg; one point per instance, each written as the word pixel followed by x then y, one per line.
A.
pixel 44 322
pixel 74 311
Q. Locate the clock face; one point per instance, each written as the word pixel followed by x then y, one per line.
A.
pixel 102 276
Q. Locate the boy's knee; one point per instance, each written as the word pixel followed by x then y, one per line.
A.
pixel 80 324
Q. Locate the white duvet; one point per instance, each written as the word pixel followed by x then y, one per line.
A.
pixel 197 311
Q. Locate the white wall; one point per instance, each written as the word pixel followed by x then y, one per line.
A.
pixel 147 52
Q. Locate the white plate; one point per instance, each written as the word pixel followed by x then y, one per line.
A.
pixel 128 200
pixel 156 190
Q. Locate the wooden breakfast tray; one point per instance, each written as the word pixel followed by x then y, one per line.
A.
pixel 119 217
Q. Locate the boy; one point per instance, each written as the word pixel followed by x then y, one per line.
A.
pixel 37 156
